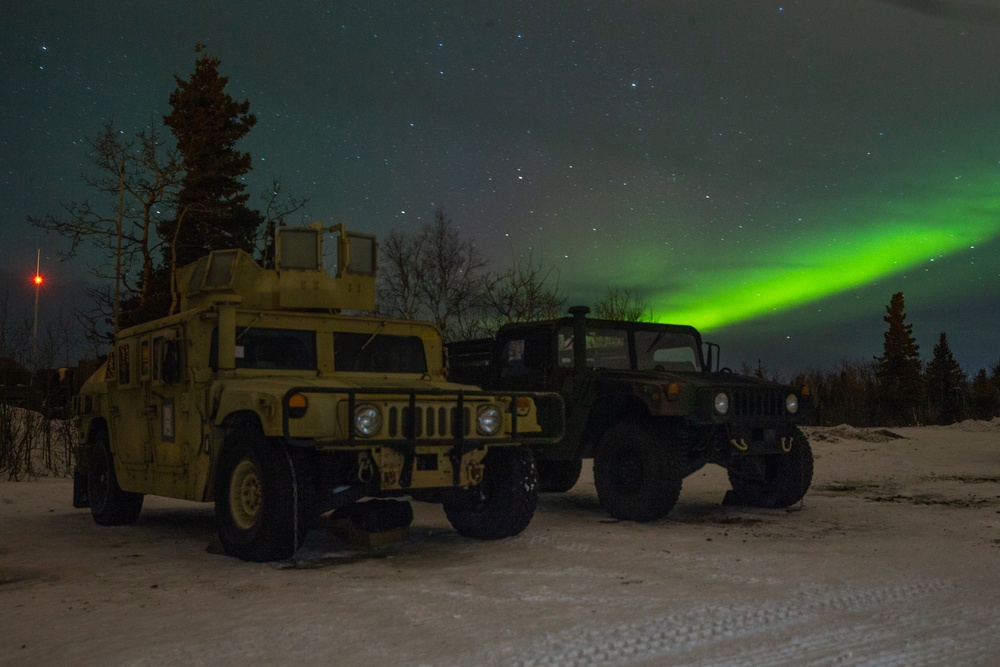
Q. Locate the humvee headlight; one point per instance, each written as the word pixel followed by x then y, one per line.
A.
pixel 792 403
pixel 722 403
pixel 297 405
pixel 488 420
pixel 367 420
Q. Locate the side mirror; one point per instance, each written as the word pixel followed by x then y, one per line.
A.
pixel 711 357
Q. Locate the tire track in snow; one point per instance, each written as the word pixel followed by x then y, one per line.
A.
pixel 906 624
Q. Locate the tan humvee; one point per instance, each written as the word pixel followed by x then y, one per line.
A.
pixel 260 395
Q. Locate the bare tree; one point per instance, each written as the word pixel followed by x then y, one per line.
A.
pixel 399 274
pixel 15 335
pixel 277 205
pixel 522 293
pixel 623 304
pixel 452 271
pixel 36 436
pixel 138 177
pixel 436 275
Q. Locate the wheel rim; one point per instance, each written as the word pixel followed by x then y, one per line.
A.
pixel 246 495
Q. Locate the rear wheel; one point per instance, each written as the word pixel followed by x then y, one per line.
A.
pixel 255 498
pixel 109 505
pixel 501 505
pixel 637 475
pixel 775 480
pixel 558 476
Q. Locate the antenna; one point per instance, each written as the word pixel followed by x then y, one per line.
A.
pixel 38 280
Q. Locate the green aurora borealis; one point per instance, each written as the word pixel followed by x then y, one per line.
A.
pixel 829 261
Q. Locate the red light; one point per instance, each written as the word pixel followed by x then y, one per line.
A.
pixel 38 279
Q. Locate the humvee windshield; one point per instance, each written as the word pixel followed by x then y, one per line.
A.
pixel 655 350
pixel 379 353
pixel 285 349
pixel 606 348
pixel 661 350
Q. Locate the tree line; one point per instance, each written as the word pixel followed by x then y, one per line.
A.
pixel 898 388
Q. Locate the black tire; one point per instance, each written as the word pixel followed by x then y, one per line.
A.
pixel 255 498
pixel 503 504
pixel 558 476
pixel 109 505
pixel 775 480
pixel 637 475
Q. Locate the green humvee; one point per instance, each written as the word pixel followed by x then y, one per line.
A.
pixel 259 394
pixel 645 403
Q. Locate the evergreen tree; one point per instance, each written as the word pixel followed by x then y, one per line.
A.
pixel 985 397
pixel 995 375
pixel 899 367
pixel 946 384
pixel 211 211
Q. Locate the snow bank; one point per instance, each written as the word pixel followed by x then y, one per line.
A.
pixel 33 446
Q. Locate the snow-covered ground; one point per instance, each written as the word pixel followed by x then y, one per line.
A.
pixel 892 559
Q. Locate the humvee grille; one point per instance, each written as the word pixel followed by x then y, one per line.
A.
pixel 429 422
pixel 758 403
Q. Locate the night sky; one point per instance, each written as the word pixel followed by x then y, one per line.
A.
pixel 769 172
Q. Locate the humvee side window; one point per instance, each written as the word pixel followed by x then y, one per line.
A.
pixel 367 353
pixel 271 349
pixel 144 361
pixel 661 350
pixel 166 360
pixel 124 365
pixel 524 355
pixel 285 349
pixel 513 358
pixel 606 348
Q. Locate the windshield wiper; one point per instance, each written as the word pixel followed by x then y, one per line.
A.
pixel 377 332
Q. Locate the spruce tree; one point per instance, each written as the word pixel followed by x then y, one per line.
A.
pixel 946 383
pixel 995 375
pixel 211 210
pixel 985 397
pixel 899 367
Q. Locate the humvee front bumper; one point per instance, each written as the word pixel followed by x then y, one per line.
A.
pixel 414 427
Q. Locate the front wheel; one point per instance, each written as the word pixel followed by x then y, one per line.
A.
pixel 255 499
pixel 501 505
pixel 109 505
pixel 637 475
pixel 774 480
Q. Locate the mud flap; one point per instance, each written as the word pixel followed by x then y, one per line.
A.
pixel 81 498
pixel 731 499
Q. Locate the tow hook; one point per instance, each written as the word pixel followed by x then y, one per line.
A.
pixel 475 471
pixel 366 470
pixel 786 445
pixel 741 445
